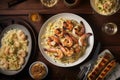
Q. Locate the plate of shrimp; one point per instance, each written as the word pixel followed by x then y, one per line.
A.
pixel 15 49
pixel 66 39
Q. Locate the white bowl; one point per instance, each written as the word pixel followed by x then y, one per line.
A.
pixel 117 7
pixel 46 68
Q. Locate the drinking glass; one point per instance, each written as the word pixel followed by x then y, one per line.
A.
pixel 110 28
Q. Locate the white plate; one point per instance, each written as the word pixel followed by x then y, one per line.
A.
pixel 115 73
pixel 78 19
pixel 25 30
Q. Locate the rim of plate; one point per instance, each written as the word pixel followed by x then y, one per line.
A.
pixel 69 16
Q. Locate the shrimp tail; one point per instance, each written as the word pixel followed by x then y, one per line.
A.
pixel 83 39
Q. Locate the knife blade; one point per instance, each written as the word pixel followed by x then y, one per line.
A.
pixel 15 2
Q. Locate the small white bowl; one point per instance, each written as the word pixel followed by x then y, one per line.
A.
pixel 38 62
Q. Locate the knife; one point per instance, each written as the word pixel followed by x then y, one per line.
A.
pixel 15 2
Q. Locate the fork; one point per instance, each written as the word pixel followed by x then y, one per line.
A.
pixel 86 67
pixel 82 72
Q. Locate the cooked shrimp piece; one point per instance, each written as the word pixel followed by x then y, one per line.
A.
pixel 59 32
pixel 59 52
pixel 4 64
pixel 75 39
pixel 11 51
pixel 77 48
pixel 21 60
pixel 7 48
pixel 53 40
pixel 68 42
pixel 50 50
pixel 68 25
pixel 21 53
pixel 68 52
pixel 79 30
pixel 21 35
pixel 17 44
pixel 83 39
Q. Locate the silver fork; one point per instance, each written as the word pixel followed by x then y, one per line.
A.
pixel 89 64
pixel 82 72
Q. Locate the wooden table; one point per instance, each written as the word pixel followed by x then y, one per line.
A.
pixel 84 10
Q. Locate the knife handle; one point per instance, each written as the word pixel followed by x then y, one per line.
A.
pixel 14 2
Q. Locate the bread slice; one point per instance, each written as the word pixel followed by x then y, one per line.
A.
pixel 100 65
pixel 106 70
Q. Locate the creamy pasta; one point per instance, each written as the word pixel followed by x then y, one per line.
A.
pixel 106 7
pixel 65 40
pixel 13 50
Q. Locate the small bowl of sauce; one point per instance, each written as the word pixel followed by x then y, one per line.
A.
pixel 71 3
pixel 38 70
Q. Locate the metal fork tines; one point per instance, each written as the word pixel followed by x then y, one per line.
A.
pixel 88 69
pixel 82 72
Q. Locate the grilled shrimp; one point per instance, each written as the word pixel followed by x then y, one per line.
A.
pixel 59 32
pixel 68 42
pixel 68 52
pixel 83 39
pixel 59 52
pixel 77 48
pixel 53 40
pixel 68 25
pixel 79 30
pixel 75 40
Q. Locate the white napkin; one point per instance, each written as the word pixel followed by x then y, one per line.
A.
pixel 115 73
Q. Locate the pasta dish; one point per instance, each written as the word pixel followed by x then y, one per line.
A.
pixel 106 6
pixel 13 50
pixel 65 40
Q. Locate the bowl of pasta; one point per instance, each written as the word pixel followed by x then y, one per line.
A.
pixel 105 7
pixel 15 49
pixel 66 40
